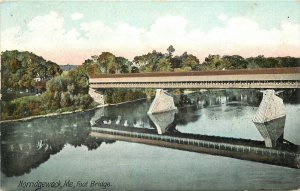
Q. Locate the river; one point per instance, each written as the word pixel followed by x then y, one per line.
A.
pixel 60 148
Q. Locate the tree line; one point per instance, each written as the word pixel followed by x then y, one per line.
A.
pixel 64 91
pixel 107 63
pixel 20 69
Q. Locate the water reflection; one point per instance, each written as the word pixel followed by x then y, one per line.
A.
pixel 26 145
pixel 163 121
pixel 202 115
pixel 283 153
pixel 272 131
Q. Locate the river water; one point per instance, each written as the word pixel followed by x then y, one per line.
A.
pixel 60 148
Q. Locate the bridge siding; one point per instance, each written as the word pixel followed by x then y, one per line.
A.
pixel 255 77
pixel 270 78
pixel 290 70
pixel 198 85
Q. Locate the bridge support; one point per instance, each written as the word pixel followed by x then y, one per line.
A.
pixel 270 118
pixel 272 131
pixel 97 96
pixel 163 121
pixel 271 107
pixel 162 103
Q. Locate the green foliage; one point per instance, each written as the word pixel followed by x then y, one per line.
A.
pixel 149 62
pixel 69 89
pixel 177 91
pixel 150 93
pixel 212 62
pixel 164 65
pixel 21 107
pixel 156 61
pixel 66 92
pixel 114 96
pixel 122 65
pixel 263 62
pixel 134 69
pixel 21 68
pixel 107 63
pixel 171 50
pixel 190 61
pixel 146 68
pixel 216 62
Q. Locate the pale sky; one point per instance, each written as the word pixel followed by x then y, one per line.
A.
pixel 71 31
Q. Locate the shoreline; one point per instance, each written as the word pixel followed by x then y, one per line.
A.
pixel 65 113
pixel 51 114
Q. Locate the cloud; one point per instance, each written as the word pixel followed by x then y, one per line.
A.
pixel 47 36
pixel 76 16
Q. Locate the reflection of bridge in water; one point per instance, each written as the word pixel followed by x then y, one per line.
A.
pixel 280 151
pixel 27 144
pixel 236 148
pixel 274 150
pixel 166 122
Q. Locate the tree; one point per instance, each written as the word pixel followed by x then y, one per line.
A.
pixel 107 62
pixel 21 68
pixel 93 70
pixel 111 67
pixel 134 69
pixel 234 62
pixel 213 62
pixel 176 62
pixel 146 68
pixel 122 65
pixel 164 65
pixel 170 50
pixel 190 61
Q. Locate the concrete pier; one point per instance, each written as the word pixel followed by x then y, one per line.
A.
pixel 162 103
pixel 270 108
pixel 97 96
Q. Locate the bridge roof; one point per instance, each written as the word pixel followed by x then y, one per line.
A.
pixel 289 70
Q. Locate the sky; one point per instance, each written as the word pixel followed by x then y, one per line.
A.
pixel 69 32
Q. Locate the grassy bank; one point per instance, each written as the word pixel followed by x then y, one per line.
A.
pixel 65 111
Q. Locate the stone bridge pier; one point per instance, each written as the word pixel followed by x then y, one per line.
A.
pixel 162 103
pixel 270 118
pixel 97 96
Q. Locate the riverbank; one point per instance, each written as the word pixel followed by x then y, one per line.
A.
pixel 65 113
pixel 52 114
